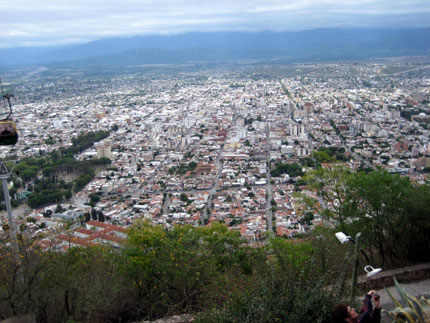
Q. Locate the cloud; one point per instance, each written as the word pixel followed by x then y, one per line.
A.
pixel 30 22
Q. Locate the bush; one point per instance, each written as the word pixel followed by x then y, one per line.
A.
pixel 276 295
pixel 159 273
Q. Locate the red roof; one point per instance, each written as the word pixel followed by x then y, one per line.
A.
pixel 105 226
pixel 84 231
pixel 74 240
pixel 105 236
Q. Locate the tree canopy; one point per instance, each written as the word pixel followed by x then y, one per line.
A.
pixel 292 170
pixel 206 271
pixel 390 211
pixel 45 171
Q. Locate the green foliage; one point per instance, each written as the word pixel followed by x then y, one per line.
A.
pixel 322 156
pixel 379 198
pixel 28 173
pixel 180 266
pixel 296 255
pixel 83 180
pixel 249 121
pixel 336 129
pixel 329 154
pixel 293 170
pixel 309 162
pixel 182 169
pixel 67 194
pixel 389 211
pixel 94 198
pixel 309 216
pixel 101 161
pixel 409 309
pixel 85 140
pixel 59 209
pixel 159 273
pixel 49 141
pixel 184 197
pixel 44 197
pixel 285 90
pixel 14 203
pixel 331 186
pixel 276 293
pixel 44 170
pixel 192 166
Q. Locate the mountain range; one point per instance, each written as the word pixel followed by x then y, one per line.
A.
pixel 221 47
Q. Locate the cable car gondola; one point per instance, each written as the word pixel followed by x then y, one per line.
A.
pixel 8 131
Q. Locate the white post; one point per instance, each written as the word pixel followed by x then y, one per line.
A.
pixel 4 175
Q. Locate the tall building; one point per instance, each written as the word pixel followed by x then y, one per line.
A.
pixel 104 150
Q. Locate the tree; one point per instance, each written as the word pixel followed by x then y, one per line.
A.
pixel 59 209
pixel 55 155
pixel 46 171
pixel 387 209
pixel 29 173
pixel 67 194
pixel 415 223
pixel 94 199
pixel 83 180
pixel 292 170
pixel 333 195
pixel 180 263
pixel 101 216
pixel 165 272
pixel 94 215
pixel 309 216
pixel 47 213
pixel 379 201
pixel 184 197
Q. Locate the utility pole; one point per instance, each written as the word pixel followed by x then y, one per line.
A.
pixel 355 264
pixel 5 174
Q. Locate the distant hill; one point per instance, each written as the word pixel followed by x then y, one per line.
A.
pixel 310 45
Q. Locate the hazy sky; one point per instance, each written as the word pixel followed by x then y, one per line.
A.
pixel 57 22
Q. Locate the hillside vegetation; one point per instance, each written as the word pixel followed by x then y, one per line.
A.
pixel 213 274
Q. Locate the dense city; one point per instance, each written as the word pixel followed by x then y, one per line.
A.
pixel 198 147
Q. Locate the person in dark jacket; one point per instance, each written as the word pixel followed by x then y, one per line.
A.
pixel 370 313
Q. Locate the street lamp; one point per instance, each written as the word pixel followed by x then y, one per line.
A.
pixel 372 271
pixel 343 238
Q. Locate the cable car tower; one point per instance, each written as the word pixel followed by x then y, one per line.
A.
pixel 8 137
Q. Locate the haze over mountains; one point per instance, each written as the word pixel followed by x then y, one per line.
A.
pixel 219 47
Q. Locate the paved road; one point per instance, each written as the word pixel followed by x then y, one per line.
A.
pixel 194 190
pixel 166 204
pixel 360 158
pixel 17 212
pixel 219 165
pixel 269 189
